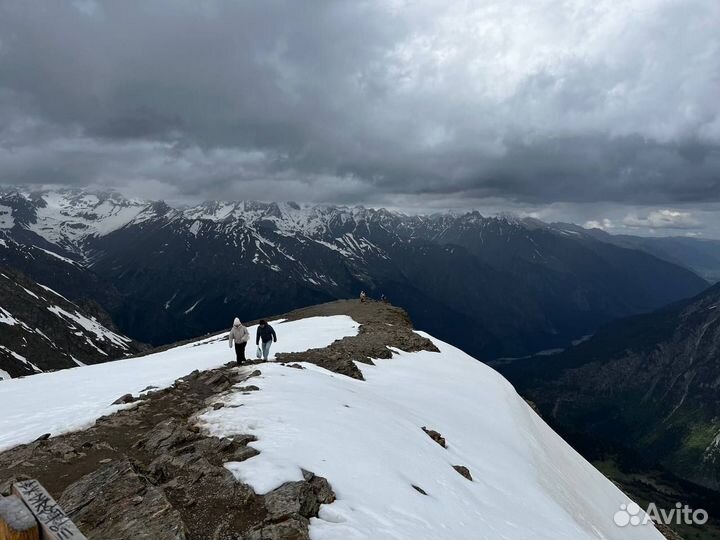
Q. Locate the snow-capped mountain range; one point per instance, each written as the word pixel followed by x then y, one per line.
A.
pixel 497 286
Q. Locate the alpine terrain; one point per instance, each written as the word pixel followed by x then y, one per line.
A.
pixel 648 383
pixel 41 330
pixel 360 428
pixel 497 287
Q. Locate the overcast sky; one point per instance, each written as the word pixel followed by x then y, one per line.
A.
pixel 601 112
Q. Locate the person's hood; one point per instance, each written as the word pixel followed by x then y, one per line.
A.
pixel 236 322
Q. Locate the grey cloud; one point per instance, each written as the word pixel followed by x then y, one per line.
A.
pixel 366 101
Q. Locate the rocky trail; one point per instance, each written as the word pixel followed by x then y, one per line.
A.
pixel 148 472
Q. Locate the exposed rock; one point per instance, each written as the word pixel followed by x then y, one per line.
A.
pixel 127 398
pixel 435 436
pixel 303 498
pixel 381 327
pixel 533 406
pixel 419 489
pixel 116 501
pixel 294 528
pixel 168 433
pixel 464 471
pixel 667 532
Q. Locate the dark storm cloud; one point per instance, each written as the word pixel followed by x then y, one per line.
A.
pixel 529 102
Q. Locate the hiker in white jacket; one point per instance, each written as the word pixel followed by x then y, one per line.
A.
pixel 239 335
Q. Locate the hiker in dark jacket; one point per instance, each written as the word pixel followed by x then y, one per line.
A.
pixel 266 334
pixel 239 336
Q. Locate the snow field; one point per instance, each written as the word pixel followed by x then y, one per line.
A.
pixel 365 438
pixel 73 399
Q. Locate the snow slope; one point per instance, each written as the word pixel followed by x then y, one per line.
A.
pixel 365 437
pixel 74 398
pixel 41 330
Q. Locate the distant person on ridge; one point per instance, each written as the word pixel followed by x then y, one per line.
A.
pixel 363 296
pixel 239 335
pixel 266 334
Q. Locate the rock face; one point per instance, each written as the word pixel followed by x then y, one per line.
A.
pixel 41 330
pixel 649 382
pixel 496 287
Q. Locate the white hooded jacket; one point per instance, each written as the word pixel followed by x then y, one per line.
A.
pixel 239 334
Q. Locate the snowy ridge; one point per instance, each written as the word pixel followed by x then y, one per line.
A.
pixel 365 437
pixel 78 396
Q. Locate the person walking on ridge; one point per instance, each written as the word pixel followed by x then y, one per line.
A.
pixel 239 335
pixel 266 334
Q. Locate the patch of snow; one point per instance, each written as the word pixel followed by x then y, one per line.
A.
pixel 167 304
pixel 195 228
pixel 48 289
pixel 64 259
pixel 92 326
pixel 42 334
pixel 583 339
pixel 191 308
pixel 7 318
pixel 4 375
pixel 68 218
pixel 21 358
pixel 74 398
pixel 365 438
pixel 30 292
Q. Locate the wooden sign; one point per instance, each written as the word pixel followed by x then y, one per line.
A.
pixel 54 523
pixel 16 521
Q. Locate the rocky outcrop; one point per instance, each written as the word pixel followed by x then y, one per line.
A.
pixel 383 328
pixel 118 501
pixel 435 436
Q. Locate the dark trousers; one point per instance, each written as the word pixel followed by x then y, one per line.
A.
pixel 240 352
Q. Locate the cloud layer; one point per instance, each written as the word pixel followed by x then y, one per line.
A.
pixel 531 103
